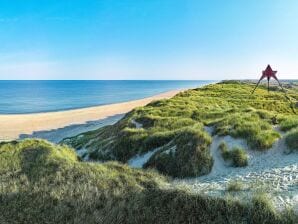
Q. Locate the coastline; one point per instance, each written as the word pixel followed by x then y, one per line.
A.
pixel 12 126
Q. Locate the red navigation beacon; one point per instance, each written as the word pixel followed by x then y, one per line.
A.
pixel 268 73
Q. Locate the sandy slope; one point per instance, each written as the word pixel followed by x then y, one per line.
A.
pixel 273 171
pixel 12 126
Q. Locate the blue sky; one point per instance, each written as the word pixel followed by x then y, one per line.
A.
pixel 147 39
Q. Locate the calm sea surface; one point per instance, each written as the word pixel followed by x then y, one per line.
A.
pixel 17 97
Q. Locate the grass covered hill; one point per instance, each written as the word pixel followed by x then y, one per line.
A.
pixel 175 128
pixel 46 183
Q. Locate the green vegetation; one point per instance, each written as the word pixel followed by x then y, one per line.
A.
pixel 235 186
pixel 263 208
pixel 288 123
pixel 292 139
pixel 223 147
pixel 229 107
pixel 250 126
pixel 190 145
pixel 236 156
pixel 45 183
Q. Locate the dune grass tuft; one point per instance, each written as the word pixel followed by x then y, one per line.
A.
pixel 292 139
pixel 288 123
pixel 234 185
pixel 236 156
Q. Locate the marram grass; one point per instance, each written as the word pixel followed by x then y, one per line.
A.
pixel 179 123
pixel 292 139
pixel 236 156
pixel 45 183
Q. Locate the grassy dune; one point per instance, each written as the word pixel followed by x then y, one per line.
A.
pixel 46 183
pixel 178 123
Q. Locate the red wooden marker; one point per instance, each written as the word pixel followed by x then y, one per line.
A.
pixel 268 73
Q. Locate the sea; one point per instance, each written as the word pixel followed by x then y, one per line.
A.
pixel 22 97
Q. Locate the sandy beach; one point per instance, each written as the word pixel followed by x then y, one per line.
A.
pixel 12 126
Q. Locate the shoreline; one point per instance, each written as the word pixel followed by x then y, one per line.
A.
pixel 12 126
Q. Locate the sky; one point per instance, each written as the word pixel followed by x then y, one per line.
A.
pixel 147 39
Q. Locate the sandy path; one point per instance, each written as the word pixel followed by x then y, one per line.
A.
pixel 12 126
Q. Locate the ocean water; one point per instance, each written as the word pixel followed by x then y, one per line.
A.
pixel 19 97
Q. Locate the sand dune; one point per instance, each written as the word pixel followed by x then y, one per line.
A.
pixel 12 126
pixel 273 171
